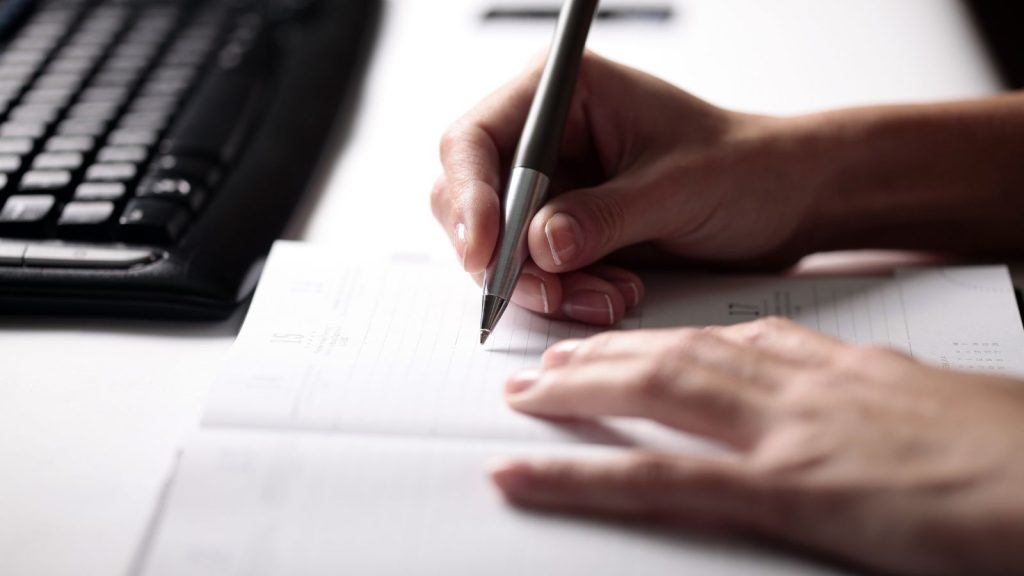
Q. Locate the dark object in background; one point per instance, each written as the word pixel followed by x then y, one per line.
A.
pixel 151 151
pixel 1002 24
pixel 625 12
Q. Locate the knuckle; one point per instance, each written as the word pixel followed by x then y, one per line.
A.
pixel 685 340
pixel 651 381
pixel 437 197
pixel 645 471
pixel 451 138
pixel 655 380
pixel 550 380
pixel 758 331
pixel 769 327
pixel 775 324
pixel 608 216
pixel 594 347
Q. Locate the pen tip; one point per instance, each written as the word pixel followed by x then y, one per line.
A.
pixel 491 311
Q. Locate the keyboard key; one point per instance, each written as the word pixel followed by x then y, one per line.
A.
pixel 137 49
pixel 94 110
pixel 72 65
pixel 173 88
pixel 104 94
pixel 39 113
pixel 12 253
pixel 48 255
pixel 10 164
pixel 121 172
pixel 22 129
pixel 58 97
pixel 86 213
pixel 157 104
pixel 26 209
pixel 58 161
pixel 135 154
pixel 19 146
pixel 87 220
pixel 76 127
pixel 59 82
pixel 70 144
pixel 175 74
pixel 127 63
pixel 151 121
pixel 117 78
pixel 30 57
pixel 112 191
pixel 49 180
pixel 175 189
pixel 132 137
pixel 18 72
pixel 150 220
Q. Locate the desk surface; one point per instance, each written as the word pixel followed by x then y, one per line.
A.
pixel 91 412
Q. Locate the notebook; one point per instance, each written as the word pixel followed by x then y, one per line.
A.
pixel 353 422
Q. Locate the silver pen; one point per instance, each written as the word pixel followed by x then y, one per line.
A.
pixel 536 157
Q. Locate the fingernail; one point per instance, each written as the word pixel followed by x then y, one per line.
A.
pixel 521 382
pixel 511 476
pixel 531 287
pixel 630 291
pixel 559 354
pixel 590 306
pixel 565 237
pixel 461 243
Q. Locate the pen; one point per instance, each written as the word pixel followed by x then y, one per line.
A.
pixel 535 158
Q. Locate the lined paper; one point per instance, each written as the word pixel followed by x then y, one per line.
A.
pixel 392 347
pixel 351 429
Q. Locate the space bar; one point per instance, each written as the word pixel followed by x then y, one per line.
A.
pixel 73 256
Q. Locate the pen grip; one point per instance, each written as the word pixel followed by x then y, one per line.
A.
pixel 545 125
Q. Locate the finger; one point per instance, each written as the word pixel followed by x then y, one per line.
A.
pixel 441 206
pixel 749 367
pixel 678 394
pixel 682 489
pixel 594 300
pixel 590 299
pixel 472 151
pixel 631 286
pixel 783 338
pixel 470 216
pixel 538 291
pixel 580 227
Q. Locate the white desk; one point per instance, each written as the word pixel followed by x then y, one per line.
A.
pixel 91 411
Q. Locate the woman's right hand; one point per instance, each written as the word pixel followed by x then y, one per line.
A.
pixel 642 164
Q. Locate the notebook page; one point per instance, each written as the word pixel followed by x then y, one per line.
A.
pixel 266 504
pixel 392 347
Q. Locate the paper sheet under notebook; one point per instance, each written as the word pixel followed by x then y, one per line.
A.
pixel 349 431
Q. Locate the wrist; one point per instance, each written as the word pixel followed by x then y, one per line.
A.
pixel 935 177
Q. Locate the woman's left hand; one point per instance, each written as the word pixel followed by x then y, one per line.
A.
pixel 860 453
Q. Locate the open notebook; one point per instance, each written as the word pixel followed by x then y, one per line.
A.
pixel 352 425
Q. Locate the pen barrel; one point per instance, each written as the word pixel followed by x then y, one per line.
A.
pixel 526 192
pixel 545 124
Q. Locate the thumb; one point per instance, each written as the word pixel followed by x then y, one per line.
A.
pixel 579 227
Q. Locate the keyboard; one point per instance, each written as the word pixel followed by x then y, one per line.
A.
pixel 151 151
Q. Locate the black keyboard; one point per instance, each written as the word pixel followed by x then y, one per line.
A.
pixel 152 150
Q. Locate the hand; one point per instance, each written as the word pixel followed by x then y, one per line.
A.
pixel 860 453
pixel 642 163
